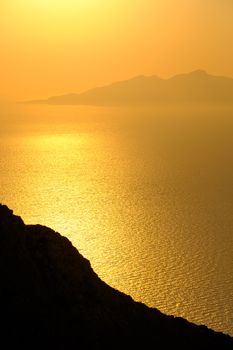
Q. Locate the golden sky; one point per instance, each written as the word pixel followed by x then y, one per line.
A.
pixel 51 47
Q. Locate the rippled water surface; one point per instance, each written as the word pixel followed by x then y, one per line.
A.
pixel 150 207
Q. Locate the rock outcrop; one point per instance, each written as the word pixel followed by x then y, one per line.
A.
pixel 52 299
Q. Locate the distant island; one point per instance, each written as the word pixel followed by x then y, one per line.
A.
pixel 52 299
pixel 197 87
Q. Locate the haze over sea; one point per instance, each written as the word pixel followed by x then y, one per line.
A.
pixel 149 202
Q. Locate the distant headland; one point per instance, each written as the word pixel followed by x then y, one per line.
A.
pixel 197 87
pixel 52 299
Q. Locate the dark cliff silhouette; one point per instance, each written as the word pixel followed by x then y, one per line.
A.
pixel 196 87
pixel 52 299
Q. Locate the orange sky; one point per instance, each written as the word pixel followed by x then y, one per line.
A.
pixel 51 47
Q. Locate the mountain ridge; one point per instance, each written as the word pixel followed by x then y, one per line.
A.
pixel 195 87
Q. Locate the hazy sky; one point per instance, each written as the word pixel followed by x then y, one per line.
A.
pixel 57 46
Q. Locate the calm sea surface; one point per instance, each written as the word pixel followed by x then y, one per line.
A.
pixel 148 202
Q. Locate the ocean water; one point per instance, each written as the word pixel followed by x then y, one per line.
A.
pixel 149 201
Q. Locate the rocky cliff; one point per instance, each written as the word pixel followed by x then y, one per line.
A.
pixel 51 298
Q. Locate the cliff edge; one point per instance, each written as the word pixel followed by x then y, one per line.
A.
pixel 51 298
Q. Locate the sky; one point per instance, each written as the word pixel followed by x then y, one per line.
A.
pixel 52 47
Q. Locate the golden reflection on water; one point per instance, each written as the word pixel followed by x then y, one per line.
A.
pixel 143 233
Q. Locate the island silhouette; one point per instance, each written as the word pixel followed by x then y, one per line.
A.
pixel 52 299
pixel 197 87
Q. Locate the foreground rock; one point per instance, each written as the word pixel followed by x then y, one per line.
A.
pixel 52 299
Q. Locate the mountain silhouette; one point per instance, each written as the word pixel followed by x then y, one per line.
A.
pixel 195 87
pixel 52 299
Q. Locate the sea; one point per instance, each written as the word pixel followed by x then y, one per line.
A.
pixel 145 194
